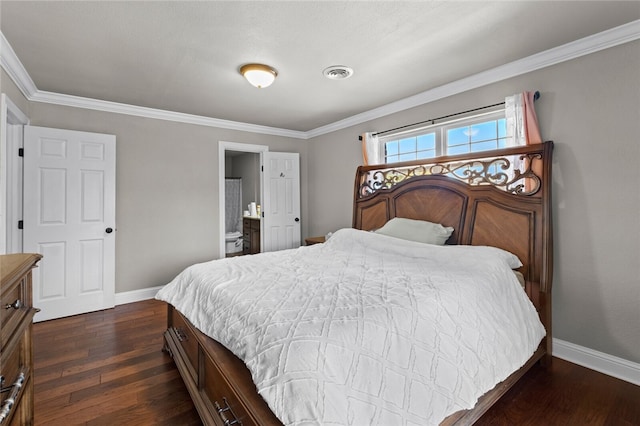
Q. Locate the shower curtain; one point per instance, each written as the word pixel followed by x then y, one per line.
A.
pixel 233 204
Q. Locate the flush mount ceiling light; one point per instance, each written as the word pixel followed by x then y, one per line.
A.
pixel 337 72
pixel 259 75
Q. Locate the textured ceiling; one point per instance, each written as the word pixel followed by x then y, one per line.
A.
pixel 184 56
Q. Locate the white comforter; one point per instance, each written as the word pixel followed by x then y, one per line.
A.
pixel 365 329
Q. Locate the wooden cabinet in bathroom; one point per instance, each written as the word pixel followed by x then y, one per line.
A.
pixel 251 235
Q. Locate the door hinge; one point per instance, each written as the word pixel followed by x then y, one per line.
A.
pixel 20 224
pixel 20 152
pixel 262 168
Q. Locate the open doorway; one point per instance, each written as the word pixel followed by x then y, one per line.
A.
pixel 242 203
pixel 240 162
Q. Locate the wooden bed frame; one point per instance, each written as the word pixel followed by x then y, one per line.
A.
pixel 499 198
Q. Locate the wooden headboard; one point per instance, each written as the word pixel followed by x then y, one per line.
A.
pixel 498 198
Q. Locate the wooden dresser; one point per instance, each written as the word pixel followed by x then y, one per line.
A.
pixel 251 235
pixel 16 350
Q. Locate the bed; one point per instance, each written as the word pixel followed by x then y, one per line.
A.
pixel 346 332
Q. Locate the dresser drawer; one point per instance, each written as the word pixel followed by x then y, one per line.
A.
pixel 14 364
pixel 224 400
pixel 185 338
pixel 14 305
pixel 16 351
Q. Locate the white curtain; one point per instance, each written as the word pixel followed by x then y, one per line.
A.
pixel 233 205
pixel 522 121
pixel 371 149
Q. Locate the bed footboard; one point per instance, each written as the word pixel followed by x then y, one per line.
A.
pixel 223 393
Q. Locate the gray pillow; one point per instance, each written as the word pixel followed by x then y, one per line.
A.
pixel 421 231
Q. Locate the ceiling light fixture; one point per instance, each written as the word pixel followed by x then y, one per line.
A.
pixel 259 75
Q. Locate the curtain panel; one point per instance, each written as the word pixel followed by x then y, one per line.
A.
pixel 371 149
pixel 522 125
pixel 522 121
pixel 233 205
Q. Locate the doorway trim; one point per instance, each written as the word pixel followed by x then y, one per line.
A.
pixel 12 120
pixel 223 147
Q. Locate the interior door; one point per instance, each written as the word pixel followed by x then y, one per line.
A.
pixel 69 217
pixel 281 204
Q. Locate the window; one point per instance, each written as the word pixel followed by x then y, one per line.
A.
pixel 471 134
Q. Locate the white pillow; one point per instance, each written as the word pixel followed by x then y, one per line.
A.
pixel 416 230
pixel 511 259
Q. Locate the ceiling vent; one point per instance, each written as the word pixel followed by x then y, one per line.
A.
pixel 337 72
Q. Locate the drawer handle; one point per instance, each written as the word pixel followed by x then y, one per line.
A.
pixel 180 334
pixel 15 305
pixel 222 412
pixel 10 401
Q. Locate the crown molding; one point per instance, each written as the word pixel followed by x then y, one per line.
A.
pixel 14 68
pixel 585 46
pixel 119 108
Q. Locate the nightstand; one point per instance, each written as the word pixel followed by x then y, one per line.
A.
pixel 313 240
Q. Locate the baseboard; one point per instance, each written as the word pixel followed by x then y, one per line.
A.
pixel 598 361
pixel 136 295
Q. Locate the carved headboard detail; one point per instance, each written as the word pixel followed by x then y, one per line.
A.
pixel 498 198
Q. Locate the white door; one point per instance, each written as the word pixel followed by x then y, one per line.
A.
pixel 281 204
pixel 69 217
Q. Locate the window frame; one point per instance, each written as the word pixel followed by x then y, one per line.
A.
pixel 440 132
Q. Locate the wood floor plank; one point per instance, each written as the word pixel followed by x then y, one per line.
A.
pixel 99 361
pixel 157 399
pixel 107 368
pixel 106 399
pixel 78 414
pixel 61 354
pixel 64 385
pixel 149 378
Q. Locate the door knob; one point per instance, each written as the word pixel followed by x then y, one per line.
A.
pixel 108 230
pixel 297 219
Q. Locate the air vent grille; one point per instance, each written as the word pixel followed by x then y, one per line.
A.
pixel 337 72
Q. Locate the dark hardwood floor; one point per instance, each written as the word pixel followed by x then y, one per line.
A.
pixel 107 368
